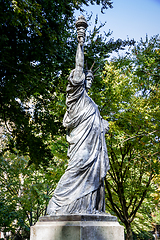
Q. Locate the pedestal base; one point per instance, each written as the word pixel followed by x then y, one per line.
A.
pixel 77 227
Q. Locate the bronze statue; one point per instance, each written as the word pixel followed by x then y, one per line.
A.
pixel 81 188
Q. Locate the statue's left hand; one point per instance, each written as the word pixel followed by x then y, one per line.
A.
pixel 105 125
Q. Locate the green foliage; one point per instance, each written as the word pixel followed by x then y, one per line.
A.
pixel 25 192
pixel 147 60
pixel 143 236
pixel 130 101
pixel 156 196
pixel 34 45
pixel 38 46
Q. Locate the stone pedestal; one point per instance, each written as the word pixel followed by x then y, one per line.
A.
pixel 77 227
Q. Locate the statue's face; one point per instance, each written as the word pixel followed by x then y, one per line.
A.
pixel 89 80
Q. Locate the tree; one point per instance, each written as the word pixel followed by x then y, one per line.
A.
pixel 156 211
pixel 33 45
pixel 129 100
pixel 38 45
pixel 25 192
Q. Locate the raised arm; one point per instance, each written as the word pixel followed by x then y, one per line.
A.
pixel 81 26
pixel 79 61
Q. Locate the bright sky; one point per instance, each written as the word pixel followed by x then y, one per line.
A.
pixel 130 18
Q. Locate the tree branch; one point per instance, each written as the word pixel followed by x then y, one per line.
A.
pixel 114 206
pixel 133 213
pixel 140 135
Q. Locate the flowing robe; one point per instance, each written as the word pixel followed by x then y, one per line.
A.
pixel 81 188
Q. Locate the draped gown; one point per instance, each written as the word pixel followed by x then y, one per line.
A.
pixel 81 188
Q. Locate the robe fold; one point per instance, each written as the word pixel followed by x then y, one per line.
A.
pixel 81 188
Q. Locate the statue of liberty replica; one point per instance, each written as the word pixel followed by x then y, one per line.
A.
pixel 77 209
pixel 81 188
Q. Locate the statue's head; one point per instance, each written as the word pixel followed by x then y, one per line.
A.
pixel 89 79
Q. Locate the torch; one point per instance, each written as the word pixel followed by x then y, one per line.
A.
pixel 81 26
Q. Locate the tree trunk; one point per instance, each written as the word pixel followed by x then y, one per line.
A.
pixel 129 235
pixel 156 233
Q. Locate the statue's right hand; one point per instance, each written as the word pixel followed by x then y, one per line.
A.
pixel 81 40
